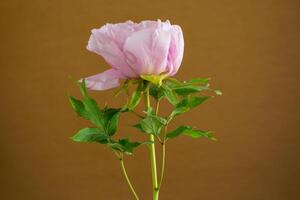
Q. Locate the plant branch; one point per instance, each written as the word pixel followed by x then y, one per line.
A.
pixel 152 153
pixel 157 107
pixel 121 158
pixel 163 157
pixel 136 114
pixel 158 138
pixel 163 143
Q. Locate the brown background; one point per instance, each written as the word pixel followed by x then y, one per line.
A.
pixel 249 48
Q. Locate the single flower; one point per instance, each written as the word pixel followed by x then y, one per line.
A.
pixel 135 49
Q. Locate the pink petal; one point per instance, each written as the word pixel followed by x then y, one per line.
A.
pixel 153 24
pixel 103 81
pixel 176 50
pixel 108 41
pixel 147 51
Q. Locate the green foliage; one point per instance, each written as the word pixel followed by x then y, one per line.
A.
pixel 78 107
pixel 151 124
pixel 171 89
pixel 82 87
pixel 106 121
pixel 170 94
pixel 200 133
pixel 164 91
pixel 186 104
pixel 201 81
pixel 189 89
pixel 88 107
pixel 90 135
pixel 124 145
pixel 111 119
pixel 180 130
pixel 156 92
pixel 138 126
pixel 181 94
pixel 189 131
pixel 135 99
pixel 94 113
pixel 172 82
pixel 136 95
pixel 191 86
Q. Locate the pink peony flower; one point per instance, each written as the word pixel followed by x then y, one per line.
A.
pixel 134 49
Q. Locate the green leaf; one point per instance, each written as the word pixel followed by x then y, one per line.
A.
pixel 156 92
pixel 170 95
pixel 172 82
pixel 194 101
pixel 124 145
pixel 135 99
pixel 152 124
pixel 188 89
pixel 91 108
pixel 199 133
pixel 94 113
pixel 115 146
pixel 82 87
pixel 200 81
pixel 187 103
pixel 142 85
pixel 128 146
pixel 180 130
pixel 78 107
pixel 137 94
pixel 90 135
pixel 162 120
pixel 139 127
pixel 88 107
pixel 189 131
pixel 149 111
pixel 111 119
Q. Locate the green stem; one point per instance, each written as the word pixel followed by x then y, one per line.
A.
pixel 152 154
pixel 127 178
pixel 136 114
pixel 163 143
pixel 162 164
pixel 157 107
pixel 163 157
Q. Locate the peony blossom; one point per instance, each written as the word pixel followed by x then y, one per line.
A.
pixel 135 49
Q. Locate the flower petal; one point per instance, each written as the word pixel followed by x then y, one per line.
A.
pixel 153 24
pixel 147 51
pixel 176 50
pixel 103 81
pixel 108 41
